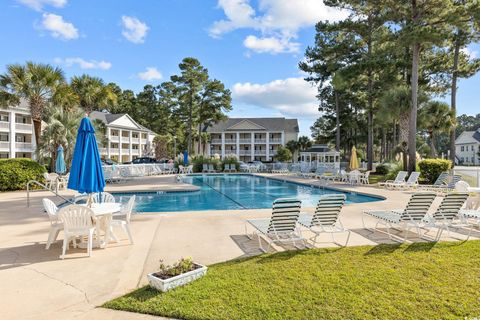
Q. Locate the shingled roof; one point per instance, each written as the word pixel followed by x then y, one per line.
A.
pixel 266 124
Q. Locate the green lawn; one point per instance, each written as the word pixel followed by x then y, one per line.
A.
pixel 417 281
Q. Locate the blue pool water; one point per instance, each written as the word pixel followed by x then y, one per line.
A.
pixel 232 192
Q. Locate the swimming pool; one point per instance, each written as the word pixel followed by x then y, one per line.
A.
pixel 233 192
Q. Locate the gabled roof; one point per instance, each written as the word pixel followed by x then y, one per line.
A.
pixel 260 124
pixel 468 137
pixel 110 118
pixel 318 148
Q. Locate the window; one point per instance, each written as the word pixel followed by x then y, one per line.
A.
pixel 4 137
pixel 462 159
pixel 462 148
pixel 4 117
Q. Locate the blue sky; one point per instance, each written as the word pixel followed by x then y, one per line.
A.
pixel 252 46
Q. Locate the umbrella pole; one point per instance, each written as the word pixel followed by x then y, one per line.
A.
pixel 89 200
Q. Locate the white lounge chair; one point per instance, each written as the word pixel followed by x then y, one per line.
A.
pixel 326 218
pixel 412 181
pixel 439 183
pixel 233 167
pixel 122 219
pixel 77 222
pixel 411 217
pixel 448 215
pixel 281 227
pixel 399 180
pixel 55 224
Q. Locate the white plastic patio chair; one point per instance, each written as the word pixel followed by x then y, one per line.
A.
pixel 55 224
pixel 62 181
pixel 326 218
pixel 77 222
pixel 281 227
pixel 50 179
pixel 364 178
pixel 122 219
pixel 411 217
pixel 102 197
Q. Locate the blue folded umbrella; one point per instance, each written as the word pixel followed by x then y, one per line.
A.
pixel 185 158
pixel 86 173
pixel 60 166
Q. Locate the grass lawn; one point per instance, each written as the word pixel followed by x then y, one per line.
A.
pixel 417 281
pixel 374 178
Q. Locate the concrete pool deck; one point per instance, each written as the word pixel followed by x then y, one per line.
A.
pixel 36 284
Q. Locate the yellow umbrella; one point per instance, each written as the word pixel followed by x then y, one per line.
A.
pixel 353 159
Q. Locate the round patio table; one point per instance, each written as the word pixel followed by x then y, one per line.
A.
pixel 103 214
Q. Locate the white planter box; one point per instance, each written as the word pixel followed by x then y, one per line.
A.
pixel 180 280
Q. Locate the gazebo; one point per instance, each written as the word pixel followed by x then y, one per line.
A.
pixel 321 155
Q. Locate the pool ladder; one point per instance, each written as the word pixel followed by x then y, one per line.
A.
pixel 44 187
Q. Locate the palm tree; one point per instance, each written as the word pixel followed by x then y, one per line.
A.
pixel 36 83
pixel 92 93
pixel 204 138
pixel 436 117
pixel 292 145
pixel 61 129
pixel 304 143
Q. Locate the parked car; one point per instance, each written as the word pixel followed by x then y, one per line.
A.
pixel 109 162
pixel 144 160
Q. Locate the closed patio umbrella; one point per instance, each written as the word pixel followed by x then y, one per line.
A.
pixel 353 159
pixel 86 172
pixel 60 166
pixel 185 158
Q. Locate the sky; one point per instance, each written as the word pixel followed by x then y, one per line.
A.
pixel 253 46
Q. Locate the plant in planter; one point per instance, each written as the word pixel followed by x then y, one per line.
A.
pixel 179 274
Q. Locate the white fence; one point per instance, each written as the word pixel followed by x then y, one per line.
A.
pixel 122 171
pixel 469 174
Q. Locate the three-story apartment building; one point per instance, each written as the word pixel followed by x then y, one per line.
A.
pixel 251 139
pixel 17 137
pixel 467 148
pixel 126 138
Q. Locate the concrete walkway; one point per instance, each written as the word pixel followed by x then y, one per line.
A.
pixel 36 284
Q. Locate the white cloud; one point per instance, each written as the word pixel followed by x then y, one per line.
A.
pixel 270 44
pixel 472 54
pixel 291 97
pixel 39 4
pixel 150 74
pixel 84 64
pixel 58 27
pixel 277 20
pixel 134 30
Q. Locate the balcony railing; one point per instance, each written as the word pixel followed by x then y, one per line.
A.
pixel 135 140
pixel 260 141
pixel 245 141
pixel 23 126
pixel 114 150
pixel 125 139
pixel 4 145
pixel 231 141
pixel 216 141
pixel 23 145
pixel 4 125
pixel 114 138
pixel 143 141
pixel 245 152
pixel 135 152
pixel 260 152
pixel 275 140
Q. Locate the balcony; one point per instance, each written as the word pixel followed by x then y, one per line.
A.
pixel 260 141
pixel 260 152
pixel 216 141
pixel 135 152
pixel 273 152
pixel 4 145
pixel 143 141
pixel 276 140
pixel 230 141
pixel 135 140
pixel 245 152
pixel 4 125
pixel 114 150
pixel 126 139
pixel 245 141
pixel 23 146
pixel 114 138
pixel 23 127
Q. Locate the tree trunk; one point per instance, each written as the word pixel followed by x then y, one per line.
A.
pixel 453 103
pixel 370 102
pixel 433 149
pixel 403 122
pixel 412 134
pixel 37 128
pixel 337 125
pixel 190 125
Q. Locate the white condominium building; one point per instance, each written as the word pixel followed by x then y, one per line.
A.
pixel 251 139
pixel 17 137
pixel 467 148
pixel 127 139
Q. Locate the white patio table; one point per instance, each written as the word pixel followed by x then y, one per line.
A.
pixel 103 214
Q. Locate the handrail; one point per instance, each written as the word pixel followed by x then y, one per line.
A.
pixel 45 188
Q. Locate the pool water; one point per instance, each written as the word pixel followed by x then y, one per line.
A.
pixel 233 192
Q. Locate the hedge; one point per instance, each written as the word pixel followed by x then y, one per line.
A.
pixel 431 168
pixel 15 173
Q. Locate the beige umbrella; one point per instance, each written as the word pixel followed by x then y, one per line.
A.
pixel 353 159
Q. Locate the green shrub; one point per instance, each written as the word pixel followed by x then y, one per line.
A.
pixel 283 154
pixel 431 168
pixel 15 173
pixel 382 169
pixel 199 161
pixel 394 168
